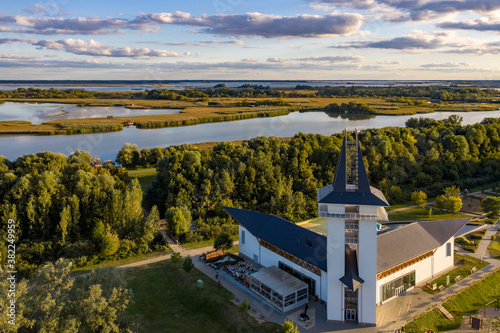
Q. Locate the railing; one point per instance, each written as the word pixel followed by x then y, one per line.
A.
pixel 352 226
pixel 351 240
pixel 351 216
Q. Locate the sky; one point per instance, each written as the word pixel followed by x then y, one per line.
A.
pixel 252 40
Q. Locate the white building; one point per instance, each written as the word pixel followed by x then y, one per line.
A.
pixel 352 268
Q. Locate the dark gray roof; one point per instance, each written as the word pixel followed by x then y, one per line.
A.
pixel 284 235
pixel 351 278
pixel 364 195
pixel 393 247
pixel 398 246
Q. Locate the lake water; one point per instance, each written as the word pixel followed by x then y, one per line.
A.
pixel 38 113
pixel 139 86
pixel 107 145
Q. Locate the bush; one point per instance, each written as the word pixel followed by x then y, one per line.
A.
pixel 188 264
pixel 80 261
pixel 478 235
pixel 142 249
pixel 462 241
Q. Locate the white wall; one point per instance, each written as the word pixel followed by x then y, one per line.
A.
pixel 335 263
pixel 424 270
pixel 367 266
pixel 441 261
pixel 251 245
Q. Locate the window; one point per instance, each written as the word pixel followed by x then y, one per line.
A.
pixel 242 236
pixel 309 243
pixel 448 249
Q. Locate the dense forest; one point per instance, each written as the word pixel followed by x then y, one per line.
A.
pixel 446 93
pixel 268 175
pixel 64 207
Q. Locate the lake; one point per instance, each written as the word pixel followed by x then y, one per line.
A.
pixel 107 145
pixel 37 113
pixel 139 86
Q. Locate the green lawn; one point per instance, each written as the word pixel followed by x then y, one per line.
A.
pixel 87 269
pixel 463 264
pixel 168 300
pixel 317 225
pixel 415 214
pixel 145 179
pixel 495 246
pixel 403 205
pixel 466 303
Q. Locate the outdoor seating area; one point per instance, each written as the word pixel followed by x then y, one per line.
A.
pixel 239 271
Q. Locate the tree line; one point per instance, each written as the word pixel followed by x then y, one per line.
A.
pixel 442 93
pixel 271 176
pixel 64 207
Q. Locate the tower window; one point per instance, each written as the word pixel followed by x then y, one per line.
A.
pixel 309 243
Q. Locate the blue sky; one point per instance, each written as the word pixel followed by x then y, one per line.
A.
pixel 235 39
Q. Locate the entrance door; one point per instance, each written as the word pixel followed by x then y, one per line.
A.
pixel 350 314
pixel 399 290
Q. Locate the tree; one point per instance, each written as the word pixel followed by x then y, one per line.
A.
pixel 188 265
pixel 150 226
pixel 454 204
pixel 419 198
pixel 175 258
pixel 223 242
pixel 452 191
pixel 289 327
pixel 54 302
pixel 491 206
pixel 110 243
pixel 176 221
pixel 64 222
pixel 441 203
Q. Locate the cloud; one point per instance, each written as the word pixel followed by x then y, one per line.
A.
pixel 446 65
pixel 93 48
pixel 277 59
pixel 479 25
pixel 413 10
pixel 418 40
pixel 69 26
pixel 332 59
pixel 389 62
pixel 204 43
pixel 263 25
pixel 249 24
pixel 16 56
pixel 478 49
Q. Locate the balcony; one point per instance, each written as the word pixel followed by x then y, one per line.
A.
pixel 350 216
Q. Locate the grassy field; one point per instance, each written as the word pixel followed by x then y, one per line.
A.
pixel 463 264
pixel 495 246
pixel 467 302
pixel 87 269
pixel 415 214
pixel 145 179
pixel 198 111
pixel 168 300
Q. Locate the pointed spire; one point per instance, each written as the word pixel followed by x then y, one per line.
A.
pixel 350 174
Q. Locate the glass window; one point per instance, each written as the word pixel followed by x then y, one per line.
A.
pixel 397 286
pixel 448 249
pixel 242 236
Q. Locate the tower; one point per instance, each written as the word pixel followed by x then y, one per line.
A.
pixel 352 208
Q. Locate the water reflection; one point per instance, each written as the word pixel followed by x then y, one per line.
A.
pixel 37 113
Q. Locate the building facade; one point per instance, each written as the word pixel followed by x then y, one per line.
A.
pixel 352 268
